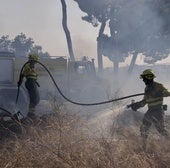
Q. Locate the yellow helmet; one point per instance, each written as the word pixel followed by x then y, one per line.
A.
pixel 148 74
pixel 33 57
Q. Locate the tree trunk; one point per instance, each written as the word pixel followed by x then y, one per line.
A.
pixel 132 63
pixel 99 46
pixel 67 33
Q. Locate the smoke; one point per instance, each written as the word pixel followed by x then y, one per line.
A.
pixel 138 26
pixel 84 46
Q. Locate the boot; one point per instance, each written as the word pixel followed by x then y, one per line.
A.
pixel 31 113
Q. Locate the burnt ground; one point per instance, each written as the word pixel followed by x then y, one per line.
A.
pixel 127 119
pixel 12 128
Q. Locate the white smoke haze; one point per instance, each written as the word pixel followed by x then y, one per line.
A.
pixel 82 46
pixel 103 87
pixel 136 23
pixel 100 121
pixel 133 27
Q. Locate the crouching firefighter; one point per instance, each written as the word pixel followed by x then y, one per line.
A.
pixel 153 97
pixel 31 83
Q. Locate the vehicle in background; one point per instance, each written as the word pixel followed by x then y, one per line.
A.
pixel 8 88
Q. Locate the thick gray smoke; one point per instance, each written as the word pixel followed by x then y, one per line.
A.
pixel 135 26
pixel 140 26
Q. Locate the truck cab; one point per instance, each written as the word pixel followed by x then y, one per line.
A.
pixel 8 88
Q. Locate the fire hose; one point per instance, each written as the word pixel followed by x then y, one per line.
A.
pixel 61 93
pixel 69 100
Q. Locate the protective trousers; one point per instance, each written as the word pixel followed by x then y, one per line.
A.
pixel 33 92
pixel 153 116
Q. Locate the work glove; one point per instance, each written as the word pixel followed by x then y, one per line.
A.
pixel 134 106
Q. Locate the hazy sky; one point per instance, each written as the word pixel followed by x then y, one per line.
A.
pixel 41 20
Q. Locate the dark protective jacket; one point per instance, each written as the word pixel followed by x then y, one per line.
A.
pixel 154 94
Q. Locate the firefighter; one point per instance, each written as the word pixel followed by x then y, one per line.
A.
pixel 153 97
pixel 31 83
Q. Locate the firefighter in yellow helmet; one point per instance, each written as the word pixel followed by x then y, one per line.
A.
pixel 29 72
pixel 154 93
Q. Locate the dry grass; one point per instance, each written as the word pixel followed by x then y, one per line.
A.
pixel 58 141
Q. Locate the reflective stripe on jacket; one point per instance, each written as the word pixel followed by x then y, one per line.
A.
pixel 154 95
pixel 30 72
